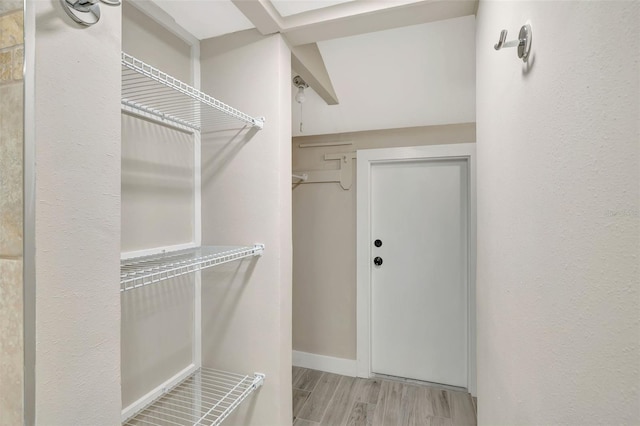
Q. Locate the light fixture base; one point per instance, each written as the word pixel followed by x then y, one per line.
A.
pixel 299 82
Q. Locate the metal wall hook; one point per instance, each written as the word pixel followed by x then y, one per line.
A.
pixel 85 12
pixel 523 43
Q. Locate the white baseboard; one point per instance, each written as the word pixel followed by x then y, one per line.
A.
pixel 342 366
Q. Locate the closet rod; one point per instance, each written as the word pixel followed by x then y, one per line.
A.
pixel 301 177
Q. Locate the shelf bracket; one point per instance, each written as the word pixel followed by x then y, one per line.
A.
pixel 258 380
pixel 259 249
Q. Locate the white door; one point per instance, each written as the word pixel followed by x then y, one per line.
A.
pixel 419 214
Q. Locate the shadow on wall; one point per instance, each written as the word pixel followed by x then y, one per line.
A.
pixel 527 67
pixel 156 333
pixel 157 179
pixel 220 147
pixel 225 285
pixel 155 157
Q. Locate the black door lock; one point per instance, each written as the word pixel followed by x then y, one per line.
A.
pixel 377 243
pixel 377 261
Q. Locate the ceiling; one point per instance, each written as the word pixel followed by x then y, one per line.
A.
pixel 206 18
pixel 213 18
pixel 306 23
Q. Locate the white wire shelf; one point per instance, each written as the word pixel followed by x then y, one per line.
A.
pixel 205 398
pixel 141 271
pixel 156 95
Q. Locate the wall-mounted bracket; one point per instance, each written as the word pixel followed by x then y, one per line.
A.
pixel 523 43
pixel 259 249
pixel 343 175
pixel 258 379
pixel 85 12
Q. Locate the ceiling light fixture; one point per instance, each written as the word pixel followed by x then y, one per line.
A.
pixel 301 85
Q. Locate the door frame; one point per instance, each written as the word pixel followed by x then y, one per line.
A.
pixel 365 159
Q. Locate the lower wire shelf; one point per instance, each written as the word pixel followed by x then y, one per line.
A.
pixel 205 398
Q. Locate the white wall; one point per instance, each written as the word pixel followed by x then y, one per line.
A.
pixel 324 237
pixel 157 161
pixel 157 185
pixel 158 210
pixel 558 215
pixel 77 229
pixel 149 41
pixel 420 75
pixel 246 199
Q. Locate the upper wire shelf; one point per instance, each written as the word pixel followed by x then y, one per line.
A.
pixel 141 271
pixel 205 398
pixel 154 94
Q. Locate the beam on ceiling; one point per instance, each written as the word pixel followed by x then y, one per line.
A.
pixel 262 14
pixel 314 28
pixel 343 10
pixel 307 61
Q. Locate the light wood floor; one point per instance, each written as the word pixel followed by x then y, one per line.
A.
pixel 329 399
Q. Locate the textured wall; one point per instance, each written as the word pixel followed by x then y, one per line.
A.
pixel 324 237
pixel 246 199
pixel 77 228
pixel 11 194
pixel 558 215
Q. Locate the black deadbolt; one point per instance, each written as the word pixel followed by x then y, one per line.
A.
pixel 378 243
pixel 377 261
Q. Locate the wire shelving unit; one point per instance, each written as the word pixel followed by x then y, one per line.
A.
pixel 198 395
pixel 156 95
pixel 141 271
pixel 204 398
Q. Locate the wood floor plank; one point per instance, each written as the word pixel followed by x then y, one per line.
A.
pixel 429 402
pixel 340 406
pixel 439 399
pixel 302 422
pixel 371 408
pixel 407 404
pixel 378 414
pixel 308 379
pixel 358 415
pixel 361 414
pixel 462 412
pixel 422 408
pixel 320 397
pixel 440 421
pixel 299 398
pixel 296 372
pixel 393 397
pixel 368 390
